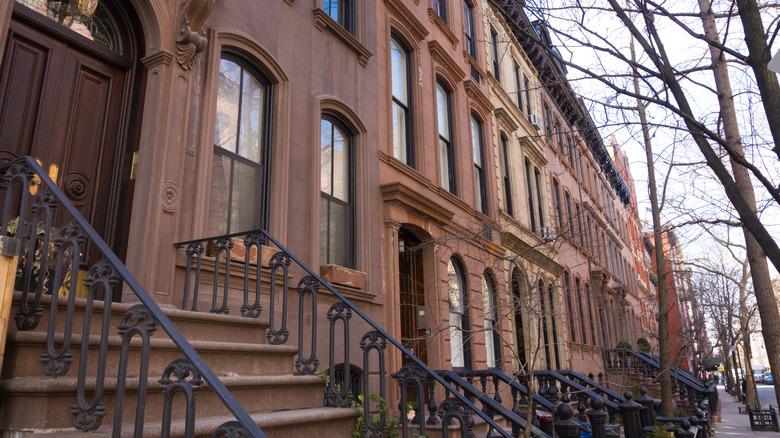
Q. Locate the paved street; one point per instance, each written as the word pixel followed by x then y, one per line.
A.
pixel 734 424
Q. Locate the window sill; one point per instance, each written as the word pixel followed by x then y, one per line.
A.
pixel 324 21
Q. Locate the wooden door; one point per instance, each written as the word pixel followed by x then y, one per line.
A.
pixel 62 102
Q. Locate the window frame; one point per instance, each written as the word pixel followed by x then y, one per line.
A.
pixel 480 180
pixel 518 87
pixel 406 107
pixel 494 50
pixel 446 147
pixel 557 196
pixel 469 29
pixel 345 13
pixel 440 7
pixel 460 344
pixel 529 190
pixel 570 304
pixel 507 179
pixel 492 323
pixel 265 138
pixel 538 180
pixel 336 122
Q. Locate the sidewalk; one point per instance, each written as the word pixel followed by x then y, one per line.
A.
pixel 734 424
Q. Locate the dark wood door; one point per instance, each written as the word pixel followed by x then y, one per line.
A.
pixel 62 103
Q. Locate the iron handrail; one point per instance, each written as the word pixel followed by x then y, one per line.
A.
pixel 512 382
pixel 482 397
pixel 182 344
pixel 698 386
pixel 429 371
pixel 597 386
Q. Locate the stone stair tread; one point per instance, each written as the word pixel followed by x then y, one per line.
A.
pixel 36 338
pixel 35 385
pixel 206 426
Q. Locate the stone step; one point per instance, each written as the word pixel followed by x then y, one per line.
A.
pixel 194 326
pixel 314 422
pixel 45 403
pixel 24 349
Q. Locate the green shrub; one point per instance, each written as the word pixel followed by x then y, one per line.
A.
pixel 624 344
pixel 643 345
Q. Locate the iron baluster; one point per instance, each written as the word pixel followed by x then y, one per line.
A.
pixel 339 397
pixel 410 376
pixel 181 369
pixel 230 429
pixel 454 409
pixel 102 277
pixel 374 341
pixel 276 336
pixel 433 419
pixel 42 212
pixel 222 246
pixel 137 321
pixel 308 365
pixel 253 240
pixel 17 175
pixel 68 245
pixel 194 250
pixel 516 411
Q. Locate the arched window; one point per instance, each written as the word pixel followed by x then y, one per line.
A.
pixel 492 336
pixel 446 151
pixel 569 215
pixel 459 344
pixel 557 195
pixel 554 324
pixel 403 148
pixel 544 328
pixel 238 194
pixel 337 194
pixel 517 304
pixel 468 25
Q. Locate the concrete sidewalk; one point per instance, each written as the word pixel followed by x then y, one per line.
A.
pixel 734 424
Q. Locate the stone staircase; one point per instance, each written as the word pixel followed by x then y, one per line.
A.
pixel 260 376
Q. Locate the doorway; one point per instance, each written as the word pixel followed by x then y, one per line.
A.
pixel 414 329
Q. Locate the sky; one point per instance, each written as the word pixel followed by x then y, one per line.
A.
pixel 688 188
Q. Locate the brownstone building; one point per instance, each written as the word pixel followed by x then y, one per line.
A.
pixel 429 158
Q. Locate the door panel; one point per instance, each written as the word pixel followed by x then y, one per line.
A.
pixel 412 290
pixel 63 106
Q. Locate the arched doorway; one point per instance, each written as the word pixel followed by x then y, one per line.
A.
pixel 67 87
pixel 414 329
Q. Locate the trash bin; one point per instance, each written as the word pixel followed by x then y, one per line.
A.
pixel 612 430
pixel 587 434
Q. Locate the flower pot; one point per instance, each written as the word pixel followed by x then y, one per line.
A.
pixel 343 276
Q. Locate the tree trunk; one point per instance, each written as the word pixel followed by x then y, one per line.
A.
pixel 758 58
pixel 665 377
pixel 762 281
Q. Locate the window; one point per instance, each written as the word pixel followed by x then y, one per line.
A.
pixel 468 17
pixel 554 324
pixel 579 225
pixel 440 6
pixel 402 116
pixel 571 151
pixel 557 195
pixel 527 95
pixel 496 63
pixel 239 172
pixel 446 152
pixel 336 208
pixel 459 344
pixel 582 313
pixel 545 335
pixel 492 336
pixel 479 166
pixel 559 136
pixel 570 224
pixel 567 287
pixel 547 122
pixel 343 11
pixel 530 193
pixel 507 181
pixel 538 178
pixel 518 88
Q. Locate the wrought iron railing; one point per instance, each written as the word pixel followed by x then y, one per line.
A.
pixel 57 242
pixel 691 391
pixel 415 377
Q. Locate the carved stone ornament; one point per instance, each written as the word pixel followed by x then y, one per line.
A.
pixel 190 41
pixel 188 44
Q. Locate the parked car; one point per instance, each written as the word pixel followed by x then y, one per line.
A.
pixel 768 378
